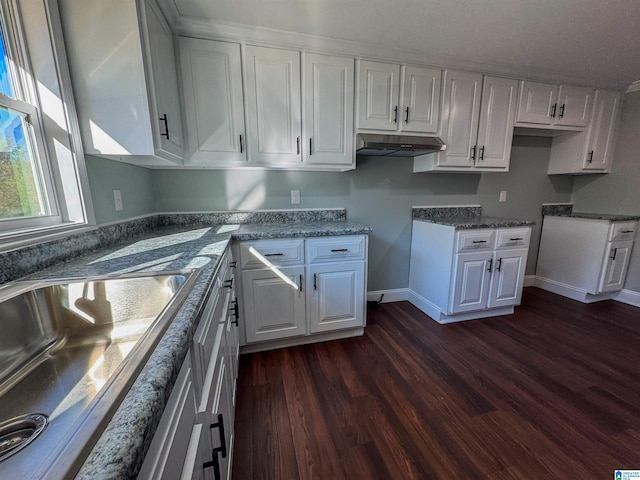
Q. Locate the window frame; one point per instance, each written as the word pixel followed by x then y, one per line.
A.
pixel 61 184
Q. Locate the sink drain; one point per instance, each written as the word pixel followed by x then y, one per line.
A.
pixel 17 433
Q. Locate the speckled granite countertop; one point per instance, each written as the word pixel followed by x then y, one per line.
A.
pixel 465 217
pixel 600 216
pixel 465 223
pixel 120 450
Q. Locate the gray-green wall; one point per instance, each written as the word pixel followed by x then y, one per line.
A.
pixel 618 192
pixel 379 193
pixel 135 184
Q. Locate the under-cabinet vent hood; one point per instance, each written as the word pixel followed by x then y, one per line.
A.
pixel 397 145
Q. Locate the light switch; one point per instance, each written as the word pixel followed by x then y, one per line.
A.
pixel 295 197
pixel 503 196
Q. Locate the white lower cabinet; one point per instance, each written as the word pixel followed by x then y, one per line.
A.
pixel 335 296
pixel 584 258
pixel 463 274
pixel 274 303
pixel 296 288
pixel 195 437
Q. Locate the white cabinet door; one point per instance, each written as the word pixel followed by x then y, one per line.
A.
pixel 470 282
pixel 507 278
pixel 574 106
pixel 328 110
pixel 168 124
pixel 615 266
pixel 273 105
pixel 197 463
pixel 336 292
pixel 274 303
pixel 212 90
pixel 497 115
pixel 378 92
pixel 602 131
pixel 536 101
pixel 460 113
pixel 420 100
pixel 171 441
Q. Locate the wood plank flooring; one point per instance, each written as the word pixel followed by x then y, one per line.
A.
pixel 552 392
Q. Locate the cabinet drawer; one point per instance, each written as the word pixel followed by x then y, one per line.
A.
pixel 260 253
pixel 513 238
pixel 475 240
pixel 623 231
pixel 332 249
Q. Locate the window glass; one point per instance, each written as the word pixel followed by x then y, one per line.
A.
pixel 5 80
pixel 20 188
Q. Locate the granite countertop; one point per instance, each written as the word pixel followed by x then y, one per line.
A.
pixel 599 216
pixel 464 217
pixel 120 450
pixel 482 221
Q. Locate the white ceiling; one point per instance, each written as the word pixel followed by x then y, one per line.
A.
pixel 594 41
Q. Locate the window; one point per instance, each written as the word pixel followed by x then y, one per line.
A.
pixel 40 182
pixel 21 188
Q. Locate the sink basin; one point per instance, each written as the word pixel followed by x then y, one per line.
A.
pixel 69 351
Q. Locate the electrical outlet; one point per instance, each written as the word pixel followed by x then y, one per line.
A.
pixel 503 196
pixel 295 197
pixel 117 200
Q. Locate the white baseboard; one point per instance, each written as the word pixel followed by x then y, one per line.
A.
pixel 629 297
pixel 529 281
pixel 572 292
pixel 394 295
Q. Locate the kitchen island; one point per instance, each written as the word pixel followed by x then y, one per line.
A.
pixel 465 265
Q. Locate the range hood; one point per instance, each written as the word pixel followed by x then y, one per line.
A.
pixel 397 145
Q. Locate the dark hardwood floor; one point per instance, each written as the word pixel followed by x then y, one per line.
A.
pixel 552 392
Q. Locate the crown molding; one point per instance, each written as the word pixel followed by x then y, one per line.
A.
pixel 245 34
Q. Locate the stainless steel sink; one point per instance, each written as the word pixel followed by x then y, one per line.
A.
pixel 70 350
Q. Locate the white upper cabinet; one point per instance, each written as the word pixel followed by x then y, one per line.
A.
pixel 602 131
pixel 379 92
pixel 495 130
pixel 477 124
pixel 546 105
pixel 214 108
pixel 460 112
pixel 328 118
pixel 398 99
pixel 420 100
pixel 590 151
pixel 122 62
pixel 273 106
